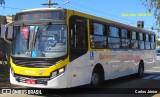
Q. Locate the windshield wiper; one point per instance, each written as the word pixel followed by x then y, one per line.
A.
pixel 35 34
pixel 46 25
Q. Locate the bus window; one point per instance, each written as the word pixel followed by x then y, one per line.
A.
pixel 134 35
pixel 98 41
pixel 124 33
pixel 153 45
pixel 152 38
pixel 147 45
pixel 125 41
pixel 141 44
pixel 98 37
pixel 147 37
pixel 141 40
pixel 98 29
pixel 134 44
pixel 113 31
pixel 113 42
pixel 141 36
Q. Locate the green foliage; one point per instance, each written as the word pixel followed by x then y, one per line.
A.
pixel 154 7
pixel 2 2
pixel 158 43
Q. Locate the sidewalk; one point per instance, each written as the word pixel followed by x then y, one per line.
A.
pixel 4 67
pixel 4 76
pixel 4 80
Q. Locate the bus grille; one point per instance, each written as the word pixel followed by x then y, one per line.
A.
pixel 33 63
pixel 36 62
pixel 40 80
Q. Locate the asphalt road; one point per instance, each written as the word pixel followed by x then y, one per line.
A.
pixel 129 86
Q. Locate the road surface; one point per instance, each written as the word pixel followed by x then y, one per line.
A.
pixel 116 87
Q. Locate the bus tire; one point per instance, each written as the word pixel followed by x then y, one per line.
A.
pixel 97 77
pixel 140 69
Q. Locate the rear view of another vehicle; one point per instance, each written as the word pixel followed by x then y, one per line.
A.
pixel 158 54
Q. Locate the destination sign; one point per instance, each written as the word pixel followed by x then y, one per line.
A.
pixel 41 15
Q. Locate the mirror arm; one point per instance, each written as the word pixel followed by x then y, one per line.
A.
pixel 8 41
pixel 5 39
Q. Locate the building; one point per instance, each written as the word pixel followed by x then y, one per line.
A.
pixel 3 19
pixel 9 18
pixel 4 47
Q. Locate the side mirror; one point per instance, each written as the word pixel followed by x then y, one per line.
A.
pixel 7 32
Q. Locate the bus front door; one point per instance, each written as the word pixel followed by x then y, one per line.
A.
pixel 78 50
pixel 78 38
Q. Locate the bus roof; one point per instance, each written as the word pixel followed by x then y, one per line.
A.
pixel 40 9
pixel 121 25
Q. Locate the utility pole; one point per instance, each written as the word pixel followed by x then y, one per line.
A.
pixel 49 4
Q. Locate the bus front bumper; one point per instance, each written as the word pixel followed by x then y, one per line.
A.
pixel 57 82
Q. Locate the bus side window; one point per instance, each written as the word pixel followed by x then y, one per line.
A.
pixel 134 41
pixel 98 37
pixel 125 39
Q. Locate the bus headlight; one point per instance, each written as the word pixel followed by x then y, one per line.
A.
pixel 61 70
pixel 54 74
pixel 57 72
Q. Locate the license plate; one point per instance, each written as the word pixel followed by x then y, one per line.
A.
pixel 30 81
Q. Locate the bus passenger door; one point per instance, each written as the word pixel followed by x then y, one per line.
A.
pixel 78 49
pixel 78 38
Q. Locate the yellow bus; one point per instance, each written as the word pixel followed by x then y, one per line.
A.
pixel 62 48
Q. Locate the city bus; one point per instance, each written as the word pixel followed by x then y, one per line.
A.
pixel 63 48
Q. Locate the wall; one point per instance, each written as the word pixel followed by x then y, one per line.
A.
pixel 4 47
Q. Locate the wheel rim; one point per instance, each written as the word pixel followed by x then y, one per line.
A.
pixel 141 71
pixel 95 79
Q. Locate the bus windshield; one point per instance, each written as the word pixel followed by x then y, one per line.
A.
pixel 40 41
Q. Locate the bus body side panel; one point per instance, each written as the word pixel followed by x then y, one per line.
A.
pixel 127 66
pixel 149 58
pixel 81 71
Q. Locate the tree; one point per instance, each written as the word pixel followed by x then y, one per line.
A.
pixel 157 43
pixel 2 2
pixel 153 6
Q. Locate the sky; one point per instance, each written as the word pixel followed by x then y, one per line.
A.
pixel 124 11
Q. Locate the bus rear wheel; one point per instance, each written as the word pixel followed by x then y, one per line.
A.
pixel 140 70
